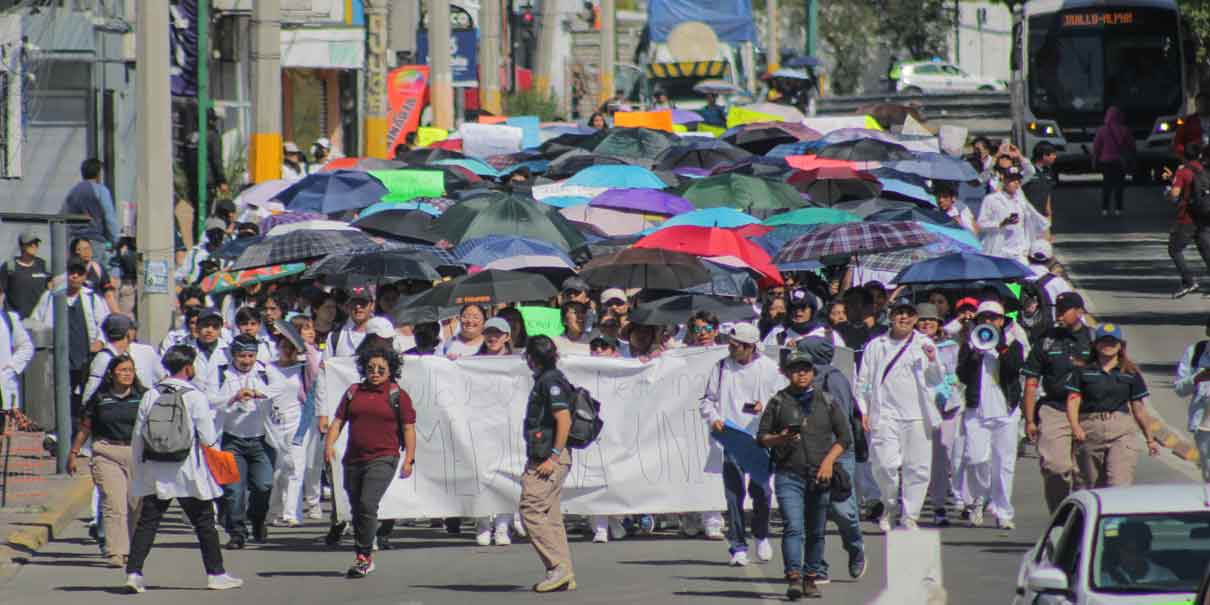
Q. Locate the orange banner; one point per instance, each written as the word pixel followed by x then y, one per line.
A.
pixel 658 120
pixel 406 88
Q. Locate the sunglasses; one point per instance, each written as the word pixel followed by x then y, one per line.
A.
pixel 377 369
pixel 614 302
pixel 701 329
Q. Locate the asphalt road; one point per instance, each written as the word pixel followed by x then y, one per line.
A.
pixel 1120 263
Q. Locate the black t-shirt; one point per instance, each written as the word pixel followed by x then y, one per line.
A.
pixel 1052 359
pixel 551 392
pixel 111 417
pixel 1102 391
pixel 23 286
pixel 98 278
pixel 77 335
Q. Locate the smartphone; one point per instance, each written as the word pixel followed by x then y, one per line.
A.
pixel 795 429
pixel 750 408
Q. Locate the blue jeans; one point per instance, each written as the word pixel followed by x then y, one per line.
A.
pixel 733 483
pixel 844 515
pixel 247 500
pixel 804 506
pixel 1202 439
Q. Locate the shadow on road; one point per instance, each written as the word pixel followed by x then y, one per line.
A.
pixel 675 563
pixel 473 587
pixel 728 594
pixel 327 573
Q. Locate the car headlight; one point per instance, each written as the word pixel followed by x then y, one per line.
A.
pixel 1043 129
pixel 1166 125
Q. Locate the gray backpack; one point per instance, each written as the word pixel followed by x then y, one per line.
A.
pixel 168 430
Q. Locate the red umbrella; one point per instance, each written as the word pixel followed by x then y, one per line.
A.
pixel 807 162
pixel 713 241
pixel 752 230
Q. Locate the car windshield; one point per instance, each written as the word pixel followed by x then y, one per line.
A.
pixel 1151 553
pixel 1081 63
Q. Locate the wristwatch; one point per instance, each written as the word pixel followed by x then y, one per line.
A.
pixel 554 452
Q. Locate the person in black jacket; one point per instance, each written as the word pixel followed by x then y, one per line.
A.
pixel 992 376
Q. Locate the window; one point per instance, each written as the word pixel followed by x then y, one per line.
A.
pixel 950 70
pixel 927 70
pixel 1071 545
pixel 1151 553
pixel 1050 543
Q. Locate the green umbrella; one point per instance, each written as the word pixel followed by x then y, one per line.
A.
pixel 408 184
pixel 631 143
pixel 739 191
pixel 812 216
pixel 504 214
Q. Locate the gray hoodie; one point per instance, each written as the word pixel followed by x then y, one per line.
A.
pixel 832 380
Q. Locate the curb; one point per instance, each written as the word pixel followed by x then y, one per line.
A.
pixel 20 544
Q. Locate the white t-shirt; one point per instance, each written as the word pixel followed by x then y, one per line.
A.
pixel 455 346
pixel 757 381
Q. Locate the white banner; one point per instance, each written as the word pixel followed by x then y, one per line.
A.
pixel 486 140
pixel 651 456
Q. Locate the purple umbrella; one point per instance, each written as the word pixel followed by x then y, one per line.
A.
pixel 684 116
pixel 652 201
pixel 260 193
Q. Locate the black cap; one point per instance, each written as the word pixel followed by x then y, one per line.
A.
pixel 1067 301
pixel 116 326
pixel 576 284
pixel 599 339
pixel 903 304
pixel 208 313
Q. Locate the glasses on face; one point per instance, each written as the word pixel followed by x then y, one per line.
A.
pixel 377 369
pixel 741 345
pixel 703 329
pixel 614 302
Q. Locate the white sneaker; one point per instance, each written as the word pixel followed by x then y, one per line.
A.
pixel 739 558
pixel 134 584
pixel 764 550
pixel 616 530
pixel 909 523
pixel 1006 524
pixel 976 516
pixel 316 514
pixel 484 537
pixel 518 526
pixel 600 536
pixel 223 582
pixel 884 524
pixel 715 533
pixel 502 538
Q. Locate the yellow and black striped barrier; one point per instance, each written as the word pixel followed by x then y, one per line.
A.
pixel 687 69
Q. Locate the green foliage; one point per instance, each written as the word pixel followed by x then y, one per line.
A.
pixel 1198 14
pixel 532 103
pixel 848 29
pixel 921 27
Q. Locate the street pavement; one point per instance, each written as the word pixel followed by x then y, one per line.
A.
pixel 1121 265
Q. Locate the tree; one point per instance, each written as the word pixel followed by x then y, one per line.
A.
pixel 921 27
pixel 847 28
pixel 1198 14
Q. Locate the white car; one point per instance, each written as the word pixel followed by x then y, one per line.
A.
pixel 1139 545
pixel 924 77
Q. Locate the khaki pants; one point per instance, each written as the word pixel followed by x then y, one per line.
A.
pixel 1059 472
pixel 1110 450
pixel 543 513
pixel 111 468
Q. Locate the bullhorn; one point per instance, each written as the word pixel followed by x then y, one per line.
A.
pixel 985 337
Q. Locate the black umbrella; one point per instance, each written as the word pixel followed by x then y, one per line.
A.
pixel 402 224
pixel 643 143
pixel 505 214
pixel 864 208
pixel 728 282
pixel 866 150
pixel 916 213
pixel 700 153
pixel 677 310
pixel 424 155
pixel 488 287
pixel 563 143
pixel 299 245
pixel 232 248
pixel 375 267
pixel 566 165
pixel 651 268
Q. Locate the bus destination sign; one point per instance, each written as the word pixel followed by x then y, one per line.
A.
pixel 1107 18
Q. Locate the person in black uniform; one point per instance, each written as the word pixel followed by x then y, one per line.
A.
pixel 1104 406
pixel 1060 350
pixel 547 423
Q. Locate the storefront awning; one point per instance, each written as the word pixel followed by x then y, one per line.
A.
pixel 323 47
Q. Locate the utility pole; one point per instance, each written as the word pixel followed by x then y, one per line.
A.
pixel 154 135
pixel 773 56
pixel 265 147
pixel 489 56
pixel 609 47
pixel 442 95
pixel 376 79
pixel 203 122
pixel 812 27
pixel 547 35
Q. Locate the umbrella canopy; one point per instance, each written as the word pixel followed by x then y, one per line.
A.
pixel 726 218
pixel 484 251
pixel 649 201
pixel 232 248
pixel 572 162
pixel 487 287
pixel 684 116
pixel 936 166
pixel 864 208
pixel 612 222
pixel 645 268
pixel 789 113
pixel 773 241
pixel 629 177
pixel 504 214
pixel 760 137
pixel 332 192
pixel 855 239
pixel 790 74
pixel 915 213
pixel 225 281
pixel 260 193
pixel 715 87
pixel 432 206
pixel 375 267
pixel 425 155
pixel 812 216
pixel 630 142
pixel 677 310
pixel 726 281
pixel 958 236
pixel 412 225
pixel 711 241
pixel 834 184
pixel 963 266
pixel 700 153
pixel 285 218
pixel 739 191
pixel 565 201
pixel 865 150
pixel 802 61
pixel 362 164
pixel 411 183
pixel 896 188
pixel 474 165
pixel 300 244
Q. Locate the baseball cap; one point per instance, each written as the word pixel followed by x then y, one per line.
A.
pixel 290 147
pixel 798 298
pixel 27 236
pixel 966 302
pixel 903 304
pixel 498 324
pixel 928 311
pixel 990 307
pixel 611 294
pixel 116 326
pixel 797 358
pixel 576 284
pixel 1109 330
pixel 1067 301
pixel 600 339
pixel 323 142
pixel 745 333
pixel 1041 250
pixel 381 327
pixel 209 313
pixel 361 292
pixel 215 222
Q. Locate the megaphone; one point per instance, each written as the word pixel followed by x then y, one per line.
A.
pixel 985 337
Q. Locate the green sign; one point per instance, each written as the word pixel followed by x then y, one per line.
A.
pixel 542 321
pixel 404 185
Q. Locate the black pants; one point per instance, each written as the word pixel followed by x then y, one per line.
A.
pixel 366 482
pixel 1179 239
pixel 201 515
pixel 1113 185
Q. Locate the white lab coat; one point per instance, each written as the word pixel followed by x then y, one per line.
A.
pixel 95 310
pixel 727 393
pixel 166 480
pixel 874 396
pixel 1009 241
pixel 1198 394
pixel 16 350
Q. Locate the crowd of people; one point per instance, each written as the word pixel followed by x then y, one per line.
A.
pixel 921 424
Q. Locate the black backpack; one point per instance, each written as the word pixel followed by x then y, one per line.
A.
pixel 586 423
pixel 1199 198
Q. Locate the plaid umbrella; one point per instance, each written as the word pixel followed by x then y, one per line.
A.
pixel 894 262
pixel 300 245
pixel 285 218
pixel 855 239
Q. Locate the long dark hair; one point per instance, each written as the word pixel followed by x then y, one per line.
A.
pixel 1124 362
pixel 108 382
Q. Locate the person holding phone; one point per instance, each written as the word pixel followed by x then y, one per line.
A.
pixel 1008 223
pixel 1193 381
pixel 735 390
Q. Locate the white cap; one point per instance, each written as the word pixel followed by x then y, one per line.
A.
pixel 324 142
pixel 380 326
pixel 611 294
pixel 1041 250
pixel 990 306
pixel 498 323
pixel 290 147
pixel 745 333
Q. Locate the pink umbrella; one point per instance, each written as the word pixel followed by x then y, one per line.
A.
pixel 260 193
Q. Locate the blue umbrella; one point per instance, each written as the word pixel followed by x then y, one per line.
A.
pixel 800 148
pixel 617 175
pixel 962 266
pixel 474 165
pixel 708 217
pixel 936 166
pixel 483 250
pixel 959 235
pixel 333 192
pixel 424 207
pixel 565 201
pixel 907 190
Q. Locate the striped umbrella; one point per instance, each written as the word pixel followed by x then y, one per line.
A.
pixel 855 239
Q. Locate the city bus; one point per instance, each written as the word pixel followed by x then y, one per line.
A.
pixel 1073 59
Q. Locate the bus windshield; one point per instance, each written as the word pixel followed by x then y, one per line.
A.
pixel 1083 61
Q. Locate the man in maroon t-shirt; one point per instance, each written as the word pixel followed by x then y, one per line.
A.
pixel 1184 228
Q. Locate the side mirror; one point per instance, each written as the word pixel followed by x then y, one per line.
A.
pixel 1047 579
